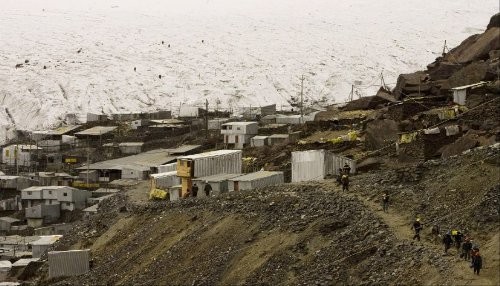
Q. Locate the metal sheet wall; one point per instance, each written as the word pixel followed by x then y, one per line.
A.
pixel 308 165
pixel 167 168
pixel 68 263
pixel 334 162
pixel 166 180
pixel 271 180
pixel 226 163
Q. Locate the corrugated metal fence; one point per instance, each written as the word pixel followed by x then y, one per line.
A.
pixel 68 263
pixel 317 164
pixel 222 164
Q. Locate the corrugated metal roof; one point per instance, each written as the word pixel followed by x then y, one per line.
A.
pixel 24 262
pixel 240 123
pixel 210 154
pixel 168 126
pixel 470 85
pixel 47 240
pixel 283 136
pixel 91 209
pixel 26 147
pixel 9 219
pixel 98 130
pixel 255 176
pixel 7 177
pixel 217 178
pixel 63 130
pixel 166 174
pixel 148 159
pixel 105 190
pixel 39 188
pixel 167 121
pixel 131 144
pixel 182 149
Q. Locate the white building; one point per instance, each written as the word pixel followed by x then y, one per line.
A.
pixel 460 92
pixel 67 197
pixel 316 165
pixel 20 155
pixel 239 134
pixel 256 180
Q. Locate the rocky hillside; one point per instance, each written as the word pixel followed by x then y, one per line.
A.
pixel 313 233
pixel 309 233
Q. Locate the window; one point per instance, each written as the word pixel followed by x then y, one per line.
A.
pixel 230 127
pixel 50 192
pixel 68 204
pixel 65 194
pixel 238 128
pixel 30 193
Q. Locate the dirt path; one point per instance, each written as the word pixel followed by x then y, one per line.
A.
pixel 400 224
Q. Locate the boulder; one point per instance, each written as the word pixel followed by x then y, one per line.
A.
pixel 476 47
pixel 466 142
pixel 494 21
pixel 443 70
pixel 406 81
pixel 379 133
pixel 368 164
pixel 473 73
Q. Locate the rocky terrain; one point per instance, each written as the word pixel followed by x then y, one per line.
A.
pixel 312 233
pixel 308 233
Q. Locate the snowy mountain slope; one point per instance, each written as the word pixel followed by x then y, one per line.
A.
pixel 253 52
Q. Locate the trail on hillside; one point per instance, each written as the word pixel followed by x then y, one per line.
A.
pixel 400 224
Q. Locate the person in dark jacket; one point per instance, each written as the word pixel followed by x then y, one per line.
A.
pixel 385 201
pixel 447 241
pixel 194 190
pixel 417 226
pixel 477 264
pixel 466 249
pixel 345 183
pixel 347 169
pixel 457 237
pixel 207 189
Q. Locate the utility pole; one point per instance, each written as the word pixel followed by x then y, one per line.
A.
pixel 444 49
pixel 88 161
pixel 302 99
pixel 206 118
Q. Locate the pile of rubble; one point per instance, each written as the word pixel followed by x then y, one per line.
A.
pixel 324 237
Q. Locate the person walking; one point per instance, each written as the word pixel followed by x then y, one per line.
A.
pixel 478 263
pixel 347 169
pixel 194 190
pixel 345 183
pixel 466 249
pixel 457 237
pixel 385 202
pixel 207 189
pixel 417 227
pixel 447 241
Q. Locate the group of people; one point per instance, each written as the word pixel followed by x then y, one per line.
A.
pixel 465 245
pixel 343 177
pixel 193 192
